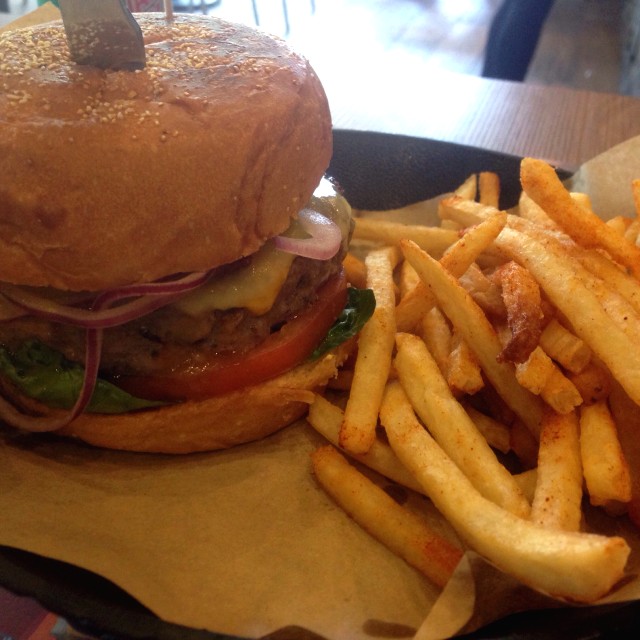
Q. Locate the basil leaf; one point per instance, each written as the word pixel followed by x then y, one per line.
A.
pixel 46 375
pixel 359 308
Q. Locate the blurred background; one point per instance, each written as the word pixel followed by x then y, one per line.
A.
pixel 585 44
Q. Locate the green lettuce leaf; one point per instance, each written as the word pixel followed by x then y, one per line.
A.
pixel 46 375
pixel 359 308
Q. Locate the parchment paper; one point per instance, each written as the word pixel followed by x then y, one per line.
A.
pixel 243 541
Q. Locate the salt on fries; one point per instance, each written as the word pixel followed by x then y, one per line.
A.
pixel 501 379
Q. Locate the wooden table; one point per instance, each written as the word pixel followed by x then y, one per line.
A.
pixel 561 125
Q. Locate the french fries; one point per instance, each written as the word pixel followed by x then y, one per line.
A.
pixel 472 324
pixel 373 363
pixel 399 529
pixel 451 426
pixel 606 471
pixel 558 494
pixel 516 336
pixel 542 185
pixel 577 566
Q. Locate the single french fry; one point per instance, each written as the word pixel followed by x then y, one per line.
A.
pixel 582 199
pixel 606 472
pixel 564 347
pixel 436 334
pixel 435 240
pixel 635 191
pixel 593 383
pixel 408 278
pixel 399 529
pixel 463 371
pixel 467 317
pixel 627 419
pixel 619 224
pixel 557 499
pixel 326 418
pixel 559 277
pixel 527 481
pixel 452 427
pixel 355 271
pixel 464 212
pixel 373 361
pixel 524 445
pixel 496 433
pixel 530 210
pixel 542 184
pixel 581 567
pixel 631 234
pixel 534 372
pixel 560 393
pixel 612 274
pixel 469 188
pixel 489 188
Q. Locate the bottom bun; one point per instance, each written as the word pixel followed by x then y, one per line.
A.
pixel 216 423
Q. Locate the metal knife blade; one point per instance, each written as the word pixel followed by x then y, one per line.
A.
pixel 103 33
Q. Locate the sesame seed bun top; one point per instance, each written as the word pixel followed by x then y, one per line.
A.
pixel 114 177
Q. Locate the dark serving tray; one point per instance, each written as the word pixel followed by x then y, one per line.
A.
pixel 375 171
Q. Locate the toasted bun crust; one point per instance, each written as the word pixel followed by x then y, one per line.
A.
pixel 217 423
pixel 110 178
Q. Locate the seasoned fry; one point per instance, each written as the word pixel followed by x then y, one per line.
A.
pixel 541 183
pixel 408 279
pixel 578 566
pixel 469 188
pixel 564 347
pixel 497 434
pixel 560 393
pixel 355 271
pixel 635 191
pixel 530 210
pixel 451 426
pixel 463 370
pixel 436 334
pixel 605 468
pixel 534 373
pixel 593 383
pixel 558 494
pixel 373 362
pixel 326 418
pixel 627 419
pixel 611 273
pixel 467 317
pixel 434 240
pixel 374 510
pixel 489 188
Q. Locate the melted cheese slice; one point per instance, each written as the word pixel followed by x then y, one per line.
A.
pixel 254 287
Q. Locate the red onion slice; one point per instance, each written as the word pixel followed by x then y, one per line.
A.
pixel 102 315
pixel 41 424
pixel 324 242
pixel 149 297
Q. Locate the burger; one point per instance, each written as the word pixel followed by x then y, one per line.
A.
pixel 170 253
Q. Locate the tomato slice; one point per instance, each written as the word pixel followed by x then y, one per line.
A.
pixel 281 351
